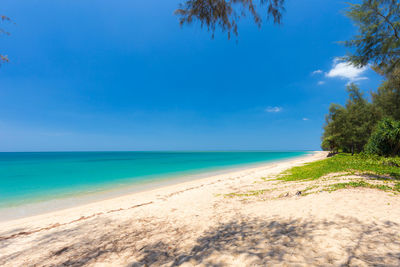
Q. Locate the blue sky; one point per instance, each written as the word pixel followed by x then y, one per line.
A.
pixel 123 75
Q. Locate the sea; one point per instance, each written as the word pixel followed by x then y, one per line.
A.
pixel 27 177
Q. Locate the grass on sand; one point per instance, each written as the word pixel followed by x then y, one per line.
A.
pixel 375 167
pixel 345 163
pixel 341 171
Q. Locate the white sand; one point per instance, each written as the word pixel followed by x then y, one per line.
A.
pixel 195 223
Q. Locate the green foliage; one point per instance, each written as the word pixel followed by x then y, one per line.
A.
pixel 348 128
pixel 354 184
pixel 387 98
pixel 385 140
pixel 226 14
pixel 249 194
pixel 378 41
pixel 360 163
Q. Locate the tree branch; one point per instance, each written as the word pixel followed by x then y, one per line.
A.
pixel 387 21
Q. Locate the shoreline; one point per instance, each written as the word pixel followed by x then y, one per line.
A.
pixel 127 201
pixel 39 207
pixel 242 218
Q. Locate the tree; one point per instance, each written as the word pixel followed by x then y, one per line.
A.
pixel 378 41
pixel 226 13
pixel 334 136
pixel 385 140
pixel 348 128
pixel 4 58
pixel 361 119
pixel 387 98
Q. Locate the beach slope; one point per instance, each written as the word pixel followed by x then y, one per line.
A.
pixel 241 218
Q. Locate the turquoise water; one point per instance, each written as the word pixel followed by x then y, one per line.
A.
pixel 27 177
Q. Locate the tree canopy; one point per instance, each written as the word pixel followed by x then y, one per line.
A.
pixel 348 128
pixel 356 127
pixel 378 41
pixel 387 97
pixel 226 13
pixel 385 140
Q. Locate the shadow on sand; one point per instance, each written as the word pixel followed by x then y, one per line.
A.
pixel 293 242
pixel 344 241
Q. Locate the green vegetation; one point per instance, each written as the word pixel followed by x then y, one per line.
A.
pixel 387 98
pixel 349 128
pixel 385 140
pixel 226 14
pixel 338 186
pixel 345 163
pixel 251 193
pixel 341 171
pixel 383 172
pixel 378 41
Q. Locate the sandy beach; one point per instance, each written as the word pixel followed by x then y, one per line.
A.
pixel 243 218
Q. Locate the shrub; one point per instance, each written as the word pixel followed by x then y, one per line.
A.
pixel 385 140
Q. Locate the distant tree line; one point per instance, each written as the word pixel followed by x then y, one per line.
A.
pixel 362 125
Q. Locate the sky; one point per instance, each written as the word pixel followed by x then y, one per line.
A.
pixel 123 75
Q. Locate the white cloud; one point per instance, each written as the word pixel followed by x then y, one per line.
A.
pixel 345 70
pixel 273 109
pixel 321 82
pixel 316 72
pixel 306 119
